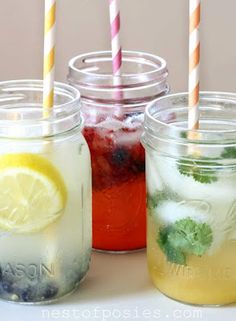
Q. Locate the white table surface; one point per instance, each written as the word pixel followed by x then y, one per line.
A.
pixel 116 288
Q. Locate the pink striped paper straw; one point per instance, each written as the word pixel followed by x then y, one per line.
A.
pixel 115 37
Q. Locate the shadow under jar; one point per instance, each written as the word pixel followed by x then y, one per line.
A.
pixel 113 108
pixel 45 194
pixel 191 198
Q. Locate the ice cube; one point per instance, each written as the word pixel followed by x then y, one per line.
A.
pixel 201 212
pixel 220 217
pixel 154 180
pixel 223 190
pixel 134 120
pixel 169 212
pixel 110 124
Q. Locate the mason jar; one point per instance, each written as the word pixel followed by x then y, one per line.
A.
pixel 45 193
pixel 191 198
pixel 113 108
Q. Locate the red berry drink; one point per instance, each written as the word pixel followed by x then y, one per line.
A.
pixel 118 167
pixel 113 128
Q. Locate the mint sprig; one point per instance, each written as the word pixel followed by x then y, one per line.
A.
pixel 202 170
pixel 184 237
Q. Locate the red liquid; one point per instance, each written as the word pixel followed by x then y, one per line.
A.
pixel 119 201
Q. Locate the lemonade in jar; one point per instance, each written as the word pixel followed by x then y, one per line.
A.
pixel 191 199
pixel 45 194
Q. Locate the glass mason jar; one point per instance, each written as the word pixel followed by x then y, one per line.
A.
pixel 45 198
pixel 113 108
pixel 191 193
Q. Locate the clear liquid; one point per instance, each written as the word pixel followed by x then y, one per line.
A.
pixel 47 265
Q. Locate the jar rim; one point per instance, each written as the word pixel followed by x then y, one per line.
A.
pixel 21 108
pixel 156 61
pixel 162 122
pixel 38 85
pixel 143 77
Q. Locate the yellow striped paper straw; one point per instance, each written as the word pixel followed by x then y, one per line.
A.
pixel 49 55
pixel 194 63
pixel 48 102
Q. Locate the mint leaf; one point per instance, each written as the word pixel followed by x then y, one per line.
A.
pixel 173 255
pixel 229 152
pixel 184 237
pixel 199 169
pixel 191 237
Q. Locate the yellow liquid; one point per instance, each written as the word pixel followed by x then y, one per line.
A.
pixel 207 280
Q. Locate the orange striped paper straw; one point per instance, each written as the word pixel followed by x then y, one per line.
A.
pixel 194 63
pixel 49 55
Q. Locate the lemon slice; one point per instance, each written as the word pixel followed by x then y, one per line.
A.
pixel 32 193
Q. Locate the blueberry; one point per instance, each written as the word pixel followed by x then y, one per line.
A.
pixel 7 286
pixel 28 294
pixel 1 289
pixel 50 291
pixel 120 156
